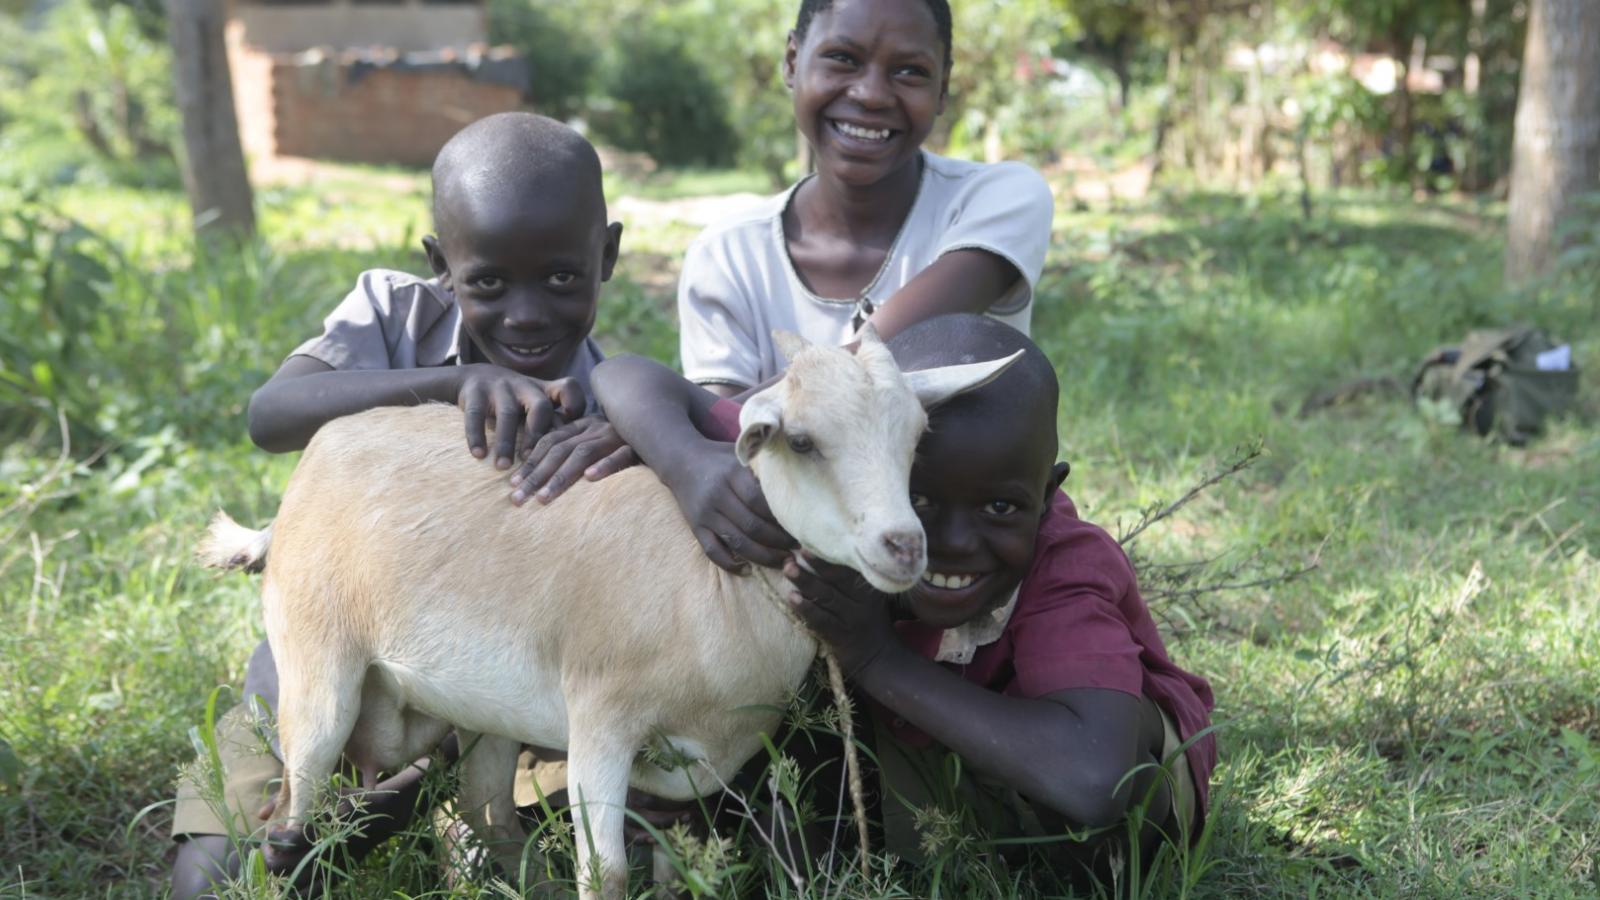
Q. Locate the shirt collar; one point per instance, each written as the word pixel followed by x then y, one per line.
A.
pixel 959 644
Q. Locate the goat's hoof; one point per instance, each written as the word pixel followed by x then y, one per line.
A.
pixel 285 847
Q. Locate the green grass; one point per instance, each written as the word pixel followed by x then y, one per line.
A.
pixel 1391 724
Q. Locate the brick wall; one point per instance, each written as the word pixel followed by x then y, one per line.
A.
pixel 383 115
pixel 251 73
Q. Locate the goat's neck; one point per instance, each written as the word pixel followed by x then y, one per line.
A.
pixel 776 613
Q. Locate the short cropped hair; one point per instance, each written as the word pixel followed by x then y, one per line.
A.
pixel 512 151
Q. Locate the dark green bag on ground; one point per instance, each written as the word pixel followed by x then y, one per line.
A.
pixel 1505 381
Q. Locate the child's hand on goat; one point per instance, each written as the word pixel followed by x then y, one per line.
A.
pixel 725 507
pixel 841 609
pixel 517 404
pixel 589 447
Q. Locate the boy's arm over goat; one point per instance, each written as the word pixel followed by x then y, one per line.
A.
pixel 307 393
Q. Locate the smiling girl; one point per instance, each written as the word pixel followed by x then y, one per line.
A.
pixel 884 231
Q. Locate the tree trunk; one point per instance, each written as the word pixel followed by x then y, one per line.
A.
pixel 1472 79
pixel 213 162
pixel 1556 155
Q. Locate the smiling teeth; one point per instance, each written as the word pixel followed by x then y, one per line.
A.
pixel 528 351
pixel 865 134
pixel 949 582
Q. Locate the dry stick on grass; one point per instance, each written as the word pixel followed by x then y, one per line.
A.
pixel 1156 512
pixel 1167 583
pixel 33 496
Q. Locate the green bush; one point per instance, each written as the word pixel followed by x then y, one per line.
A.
pixel 662 102
pixel 561 56
pixel 93 99
pixel 90 331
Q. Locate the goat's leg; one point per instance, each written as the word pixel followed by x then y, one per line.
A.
pixel 488 775
pixel 318 708
pixel 598 765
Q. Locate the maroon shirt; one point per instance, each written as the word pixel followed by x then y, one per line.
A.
pixel 1079 622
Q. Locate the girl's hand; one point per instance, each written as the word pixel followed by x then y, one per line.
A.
pixel 589 447
pixel 517 404
pixel 842 610
pixel 724 506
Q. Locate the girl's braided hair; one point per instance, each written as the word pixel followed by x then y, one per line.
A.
pixel 939 8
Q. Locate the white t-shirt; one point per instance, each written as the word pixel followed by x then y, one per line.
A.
pixel 738 283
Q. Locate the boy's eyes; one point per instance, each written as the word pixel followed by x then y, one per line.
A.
pixel 923 503
pixel 490 284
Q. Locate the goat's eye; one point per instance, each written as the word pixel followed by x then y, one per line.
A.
pixel 920 502
pixel 801 444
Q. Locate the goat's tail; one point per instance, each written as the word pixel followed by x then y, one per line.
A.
pixel 229 545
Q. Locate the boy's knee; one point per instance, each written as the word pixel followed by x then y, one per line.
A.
pixel 204 862
pixel 261 676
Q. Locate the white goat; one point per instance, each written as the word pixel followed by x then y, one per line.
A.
pixel 404 596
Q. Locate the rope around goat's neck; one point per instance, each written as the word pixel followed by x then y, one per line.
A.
pixel 841 702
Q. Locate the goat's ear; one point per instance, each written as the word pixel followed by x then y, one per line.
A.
pixel 789 343
pixel 869 334
pixel 760 419
pixel 934 386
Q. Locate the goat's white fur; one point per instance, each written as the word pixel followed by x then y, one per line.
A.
pixel 403 595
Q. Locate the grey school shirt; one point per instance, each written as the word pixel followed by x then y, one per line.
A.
pixel 394 320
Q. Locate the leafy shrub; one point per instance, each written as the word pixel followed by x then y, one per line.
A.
pixel 94 98
pixel 664 103
pixel 94 333
pixel 562 57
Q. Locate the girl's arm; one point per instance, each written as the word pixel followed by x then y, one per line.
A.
pixel 1065 752
pixel 961 281
pixel 664 418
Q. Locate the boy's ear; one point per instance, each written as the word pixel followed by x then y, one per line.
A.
pixel 1058 474
pixel 436 260
pixel 791 51
pixel 608 257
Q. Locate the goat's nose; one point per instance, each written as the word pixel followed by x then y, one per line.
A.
pixel 905 547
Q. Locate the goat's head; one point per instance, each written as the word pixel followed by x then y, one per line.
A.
pixel 832 444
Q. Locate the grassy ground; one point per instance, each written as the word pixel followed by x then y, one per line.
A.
pixel 1416 717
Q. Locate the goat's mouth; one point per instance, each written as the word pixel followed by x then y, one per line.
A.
pixel 889 581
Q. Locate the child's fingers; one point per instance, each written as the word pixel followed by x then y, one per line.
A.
pixel 568 395
pixel 544 459
pixel 576 457
pixel 476 409
pixel 718 553
pixel 744 484
pixel 507 419
pixel 757 527
pixel 536 474
pixel 621 458
pixel 541 416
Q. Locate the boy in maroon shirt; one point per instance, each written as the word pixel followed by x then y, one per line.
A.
pixel 1026 650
